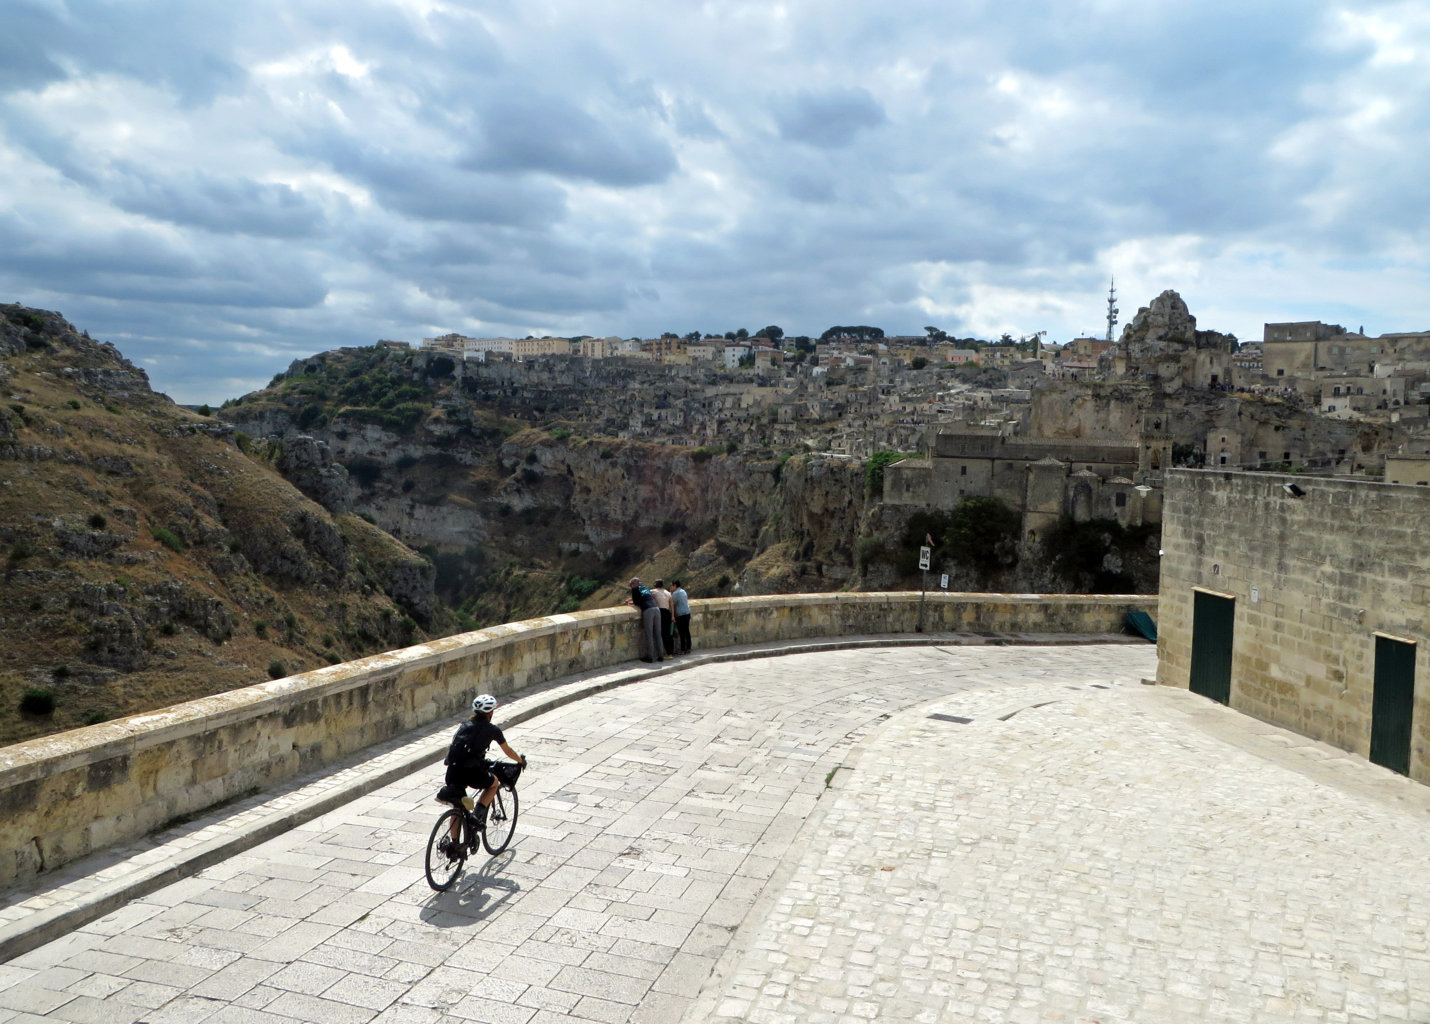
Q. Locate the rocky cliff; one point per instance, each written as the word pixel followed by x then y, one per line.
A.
pixel 145 559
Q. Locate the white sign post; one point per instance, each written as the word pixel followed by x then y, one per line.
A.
pixel 925 557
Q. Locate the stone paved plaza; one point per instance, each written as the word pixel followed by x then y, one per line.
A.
pixel 959 833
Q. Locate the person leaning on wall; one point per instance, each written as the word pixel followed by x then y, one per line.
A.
pixel 680 608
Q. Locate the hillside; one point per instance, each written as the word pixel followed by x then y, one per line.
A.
pixel 145 559
pixel 528 487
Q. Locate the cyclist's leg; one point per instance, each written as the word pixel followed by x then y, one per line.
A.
pixel 455 781
pixel 486 786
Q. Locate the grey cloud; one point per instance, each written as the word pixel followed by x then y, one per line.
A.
pixel 24 65
pixel 134 265
pixel 234 206
pixel 830 119
pixel 423 187
pixel 693 121
pixel 550 135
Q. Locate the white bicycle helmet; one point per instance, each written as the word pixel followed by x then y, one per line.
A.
pixel 485 704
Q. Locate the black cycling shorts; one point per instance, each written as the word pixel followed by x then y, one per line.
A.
pixel 477 777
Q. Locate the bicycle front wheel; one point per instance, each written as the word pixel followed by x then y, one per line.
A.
pixel 501 821
pixel 445 855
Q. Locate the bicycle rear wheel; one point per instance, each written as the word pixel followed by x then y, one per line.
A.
pixel 501 821
pixel 445 856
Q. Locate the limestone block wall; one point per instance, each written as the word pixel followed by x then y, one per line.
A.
pixel 1314 579
pixel 67 795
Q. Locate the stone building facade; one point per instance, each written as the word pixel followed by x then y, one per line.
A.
pixel 1303 601
pixel 1040 478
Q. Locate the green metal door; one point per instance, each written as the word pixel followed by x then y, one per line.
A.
pixel 1212 618
pixel 1392 704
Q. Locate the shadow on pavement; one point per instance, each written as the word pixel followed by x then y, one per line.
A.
pixel 474 897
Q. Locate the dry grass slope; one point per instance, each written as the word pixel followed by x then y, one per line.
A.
pixel 145 560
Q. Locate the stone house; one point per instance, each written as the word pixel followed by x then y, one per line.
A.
pixel 1303 601
pixel 1040 478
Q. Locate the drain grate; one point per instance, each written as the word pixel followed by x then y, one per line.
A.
pixel 951 718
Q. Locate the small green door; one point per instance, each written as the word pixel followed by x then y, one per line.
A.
pixel 1212 618
pixel 1392 703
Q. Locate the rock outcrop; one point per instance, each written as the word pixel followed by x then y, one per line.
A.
pixel 1162 343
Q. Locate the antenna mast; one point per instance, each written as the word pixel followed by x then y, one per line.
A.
pixel 1112 309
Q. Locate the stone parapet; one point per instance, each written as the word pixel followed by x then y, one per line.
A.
pixel 67 795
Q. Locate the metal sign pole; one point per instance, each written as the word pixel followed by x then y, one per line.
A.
pixel 925 558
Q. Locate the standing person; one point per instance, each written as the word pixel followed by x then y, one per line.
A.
pixel 644 603
pixel 680 606
pixel 667 620
pixel 466 760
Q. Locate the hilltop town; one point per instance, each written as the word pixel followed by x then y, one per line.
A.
pixel 854 391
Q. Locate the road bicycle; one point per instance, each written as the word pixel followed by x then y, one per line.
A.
pixel 448 848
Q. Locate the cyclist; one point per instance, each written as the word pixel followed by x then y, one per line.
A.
pixel 466 760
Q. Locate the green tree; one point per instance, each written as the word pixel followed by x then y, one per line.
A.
pixel 772 332
pixel 983 532
pixel 918 363
pixel 874 470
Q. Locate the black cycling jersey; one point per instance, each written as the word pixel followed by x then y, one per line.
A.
pixel 470 744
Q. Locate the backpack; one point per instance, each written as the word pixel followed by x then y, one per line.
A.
pixel 460 753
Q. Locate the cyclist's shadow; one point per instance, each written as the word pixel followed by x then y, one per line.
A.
pixel 474 896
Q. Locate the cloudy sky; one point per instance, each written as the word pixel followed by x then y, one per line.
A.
pixel 219 188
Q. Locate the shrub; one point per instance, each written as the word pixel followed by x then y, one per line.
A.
pixel 95 717
pixel 261 629
pixel 310 414
pixel 60 671
pixel 365 471
pixel 869 549
pixel 607 453
pixel 874 470
pixel 276 669
pixel 559 434
pixel 74 403
pixel 168 538
pixel 20 550
pixel 168 629
pixel 35 701
pixel 332 657
pixel 97 521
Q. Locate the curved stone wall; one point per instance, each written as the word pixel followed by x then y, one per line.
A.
pixel 67 795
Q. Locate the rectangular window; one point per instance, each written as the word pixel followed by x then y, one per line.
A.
pixel 962 470
pixel 1285 456
pixel 1121 499
pixel 1280 372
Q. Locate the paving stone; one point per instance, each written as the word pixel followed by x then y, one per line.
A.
pixel 798 840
